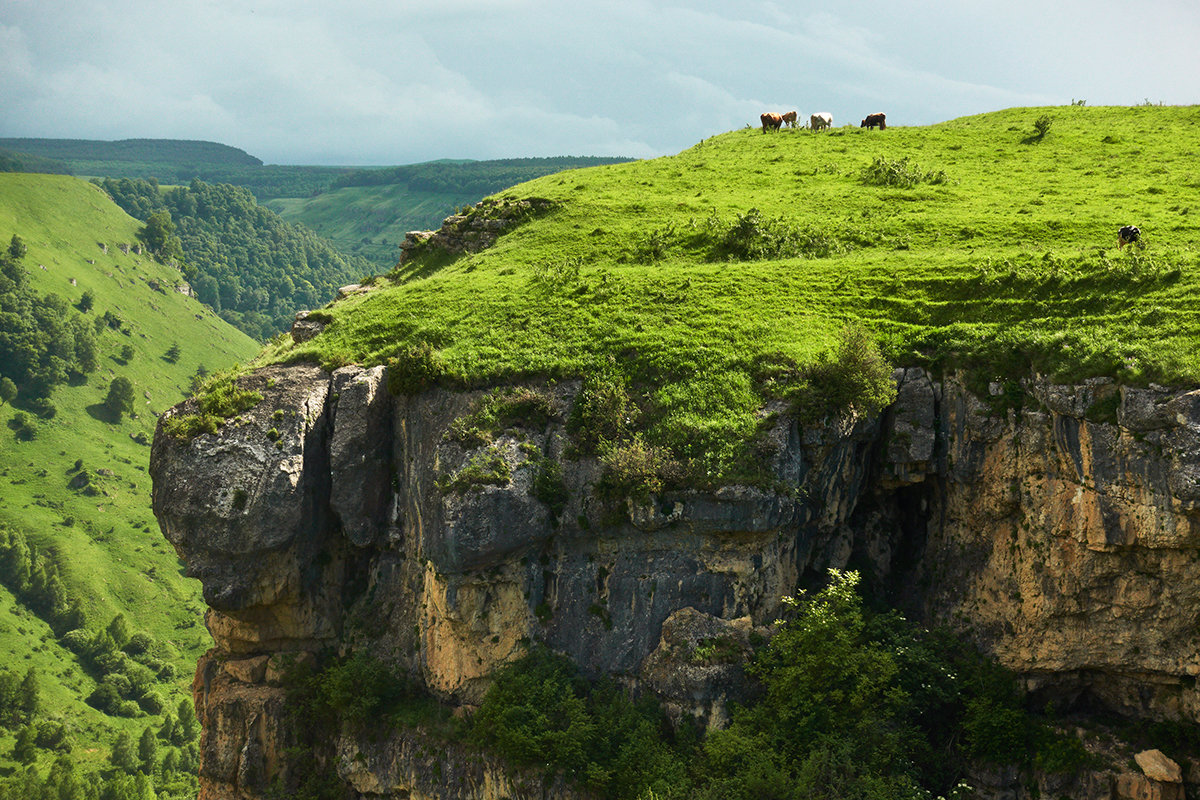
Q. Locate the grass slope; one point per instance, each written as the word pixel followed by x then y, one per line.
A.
pixel 369 211
pixel 1006 263
pixel 107 545
pixel 370 220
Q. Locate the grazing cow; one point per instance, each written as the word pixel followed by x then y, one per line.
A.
pixel 789 119
pixel 878 118
pixel 1128 235
pixel 771 121
pixel 820 121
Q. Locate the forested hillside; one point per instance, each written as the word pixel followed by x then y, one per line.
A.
pixel 12 161
pixel 99 630
pixel 243 261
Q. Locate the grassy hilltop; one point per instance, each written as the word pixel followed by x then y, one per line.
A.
pixel 706 280
pixel 74 485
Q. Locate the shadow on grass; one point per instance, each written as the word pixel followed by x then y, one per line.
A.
pixel 101 412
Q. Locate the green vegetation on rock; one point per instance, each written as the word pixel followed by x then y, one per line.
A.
pixel 710 282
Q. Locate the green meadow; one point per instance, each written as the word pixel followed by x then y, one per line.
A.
pixel 369 220
pixel 705 280
pixel 98 529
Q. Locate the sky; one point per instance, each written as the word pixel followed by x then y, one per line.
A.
pixel 374 82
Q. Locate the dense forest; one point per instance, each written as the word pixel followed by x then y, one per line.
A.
pixel 135 150
pixel 12 161
pixel 242 260
pixel 479 178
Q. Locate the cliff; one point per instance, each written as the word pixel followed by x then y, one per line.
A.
pixel 1053 525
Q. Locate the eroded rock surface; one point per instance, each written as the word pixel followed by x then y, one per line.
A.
pixel 1057 531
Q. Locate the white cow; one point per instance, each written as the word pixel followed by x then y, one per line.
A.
pixel 820 121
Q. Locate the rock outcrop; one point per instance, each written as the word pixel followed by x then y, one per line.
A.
pixel 1055 527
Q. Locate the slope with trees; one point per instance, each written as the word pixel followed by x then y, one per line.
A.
pixel 92 601
pixel 242 260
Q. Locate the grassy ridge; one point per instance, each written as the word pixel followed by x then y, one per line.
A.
pixel 1006 263
pixel 103 537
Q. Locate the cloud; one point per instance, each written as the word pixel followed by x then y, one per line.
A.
pixel 368 81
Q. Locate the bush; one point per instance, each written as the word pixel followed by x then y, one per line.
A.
pixel 854 379
pixel 549 488
pixel 218 399
pixel 504 409
pixel 637 470
pixel 138 643
pixel 540 710
pixel 602 413
pixel 486 468
pixel 1041 125
pixel 902 174
pixel 414 369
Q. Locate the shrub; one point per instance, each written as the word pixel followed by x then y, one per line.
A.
pixel 854 379
pixel 541 711
pixel 1042 125
pixel 504 409
pixel 549 488
pixel 218 399
pixel 415 368
pixel 487 468
pixel 637 470
pixel 902 174
pixel 602 414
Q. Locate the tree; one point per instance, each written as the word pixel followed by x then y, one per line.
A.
pixel 87 301
pixel 29 696
pixel 187 727
pixel 8 390
pixel 25 749
pixel 120 397
pixel 159 236
pixel 124 757
pixel 119 630
pixel 17 248
pixel 147 751
pixel 173 353
pixel 127 353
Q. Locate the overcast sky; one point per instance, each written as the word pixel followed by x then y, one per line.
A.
pixel 398 81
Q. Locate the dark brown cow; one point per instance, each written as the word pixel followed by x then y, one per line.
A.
pixel 771 121
pixel 878 118
pixel 789 119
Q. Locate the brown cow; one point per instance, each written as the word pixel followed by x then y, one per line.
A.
pixel 789 119
pixel 878 118
pixel 771 120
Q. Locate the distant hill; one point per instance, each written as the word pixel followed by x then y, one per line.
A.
pixel 368 211
pixel 75 496
pixel 12 161
pixel 145 151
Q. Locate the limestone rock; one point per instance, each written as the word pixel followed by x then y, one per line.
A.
pixel 1060 535
pixel 1158 767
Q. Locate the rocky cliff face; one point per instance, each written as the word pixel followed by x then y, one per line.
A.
pixel 1058 534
